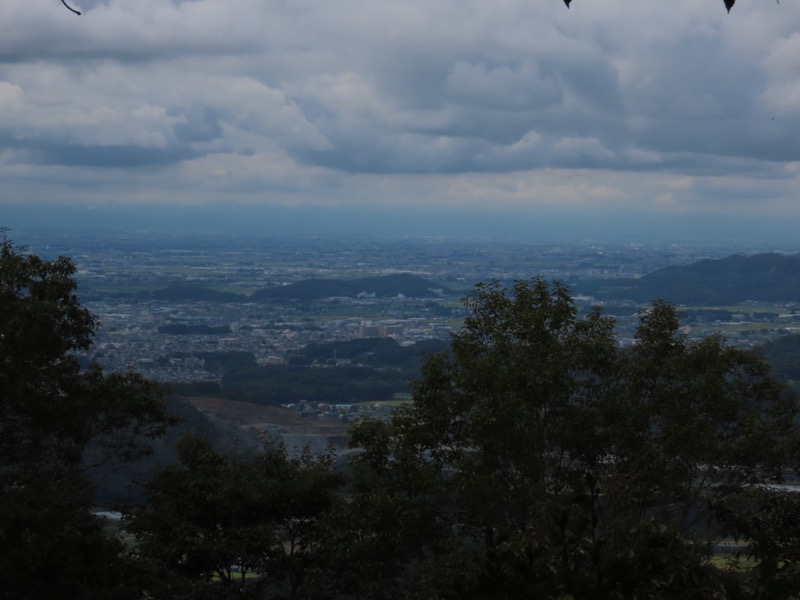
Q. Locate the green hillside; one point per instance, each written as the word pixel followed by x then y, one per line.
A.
pixel 762 277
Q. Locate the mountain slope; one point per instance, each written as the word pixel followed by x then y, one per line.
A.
pixel 762 277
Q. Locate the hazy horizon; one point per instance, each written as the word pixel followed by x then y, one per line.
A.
pixel 614 119
pixel 540 226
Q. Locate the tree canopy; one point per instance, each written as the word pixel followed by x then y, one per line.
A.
pixel 212 518
pixel 539 459
pixel 61 427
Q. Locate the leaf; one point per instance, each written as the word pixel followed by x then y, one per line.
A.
pixel 729 4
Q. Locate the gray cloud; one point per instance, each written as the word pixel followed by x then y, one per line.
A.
pixel 254 95
pixel 117 157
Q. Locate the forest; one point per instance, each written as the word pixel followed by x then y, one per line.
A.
pixel 767 277
pixel 536 459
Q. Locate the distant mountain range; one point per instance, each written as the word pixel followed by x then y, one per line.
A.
pixel 385 286
pixel 762 277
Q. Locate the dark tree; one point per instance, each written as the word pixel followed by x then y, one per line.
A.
pixel 60 428
pixel 539 459
pixel 211 519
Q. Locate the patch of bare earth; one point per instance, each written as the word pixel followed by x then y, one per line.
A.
pixel 251 424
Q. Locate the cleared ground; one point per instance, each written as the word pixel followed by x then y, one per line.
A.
pixel 250 424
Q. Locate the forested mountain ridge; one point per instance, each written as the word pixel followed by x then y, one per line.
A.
pixel 769 277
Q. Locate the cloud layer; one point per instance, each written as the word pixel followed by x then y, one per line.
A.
pixel 670 106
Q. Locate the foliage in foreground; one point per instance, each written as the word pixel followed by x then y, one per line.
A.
pixel 61 428
pixel 537 459
pixel 212 518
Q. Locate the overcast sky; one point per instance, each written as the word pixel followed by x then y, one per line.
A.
pixel 657 107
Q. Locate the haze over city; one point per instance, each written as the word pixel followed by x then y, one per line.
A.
pixel 613 119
